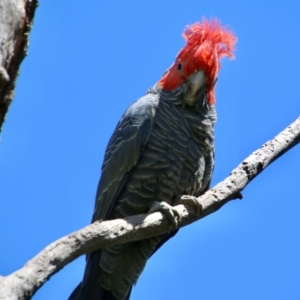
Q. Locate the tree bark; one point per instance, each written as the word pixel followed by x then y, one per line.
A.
pixel 16 18
pixel 23 283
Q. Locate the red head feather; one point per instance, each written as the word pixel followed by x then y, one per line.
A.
pixel 206 44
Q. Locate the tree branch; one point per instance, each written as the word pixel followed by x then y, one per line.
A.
pixel 16 18
pixel 23 283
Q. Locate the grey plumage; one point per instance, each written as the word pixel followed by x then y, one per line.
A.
pixel 159 150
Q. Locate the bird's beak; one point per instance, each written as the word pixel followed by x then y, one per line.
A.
pixel 196 81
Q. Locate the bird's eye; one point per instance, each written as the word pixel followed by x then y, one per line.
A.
pixel 179 67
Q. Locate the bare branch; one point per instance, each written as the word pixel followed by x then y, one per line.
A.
pixel 16 18
pixel 23 283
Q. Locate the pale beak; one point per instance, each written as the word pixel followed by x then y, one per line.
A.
pixel 195 82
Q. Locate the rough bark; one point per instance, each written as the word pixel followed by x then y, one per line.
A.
pixel 16 18
pixel 23 283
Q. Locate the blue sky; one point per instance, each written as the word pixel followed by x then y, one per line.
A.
pixel 87 63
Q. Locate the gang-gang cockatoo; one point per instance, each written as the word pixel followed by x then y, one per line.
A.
pixel 161 149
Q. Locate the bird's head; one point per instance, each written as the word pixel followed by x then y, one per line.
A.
pixel 198 63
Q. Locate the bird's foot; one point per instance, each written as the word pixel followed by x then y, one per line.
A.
pixel 189 200
pixel 170 212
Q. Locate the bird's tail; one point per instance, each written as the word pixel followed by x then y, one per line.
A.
pixel 89 288
pixel 101 294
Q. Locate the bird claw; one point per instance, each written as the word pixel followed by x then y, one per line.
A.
pixel 170 212
pixel 189 200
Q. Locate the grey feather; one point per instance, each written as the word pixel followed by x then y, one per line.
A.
pixel 159 150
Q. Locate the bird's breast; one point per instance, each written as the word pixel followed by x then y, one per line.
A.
pixel 172 163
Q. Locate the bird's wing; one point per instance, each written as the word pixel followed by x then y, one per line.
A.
pixel 122 154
